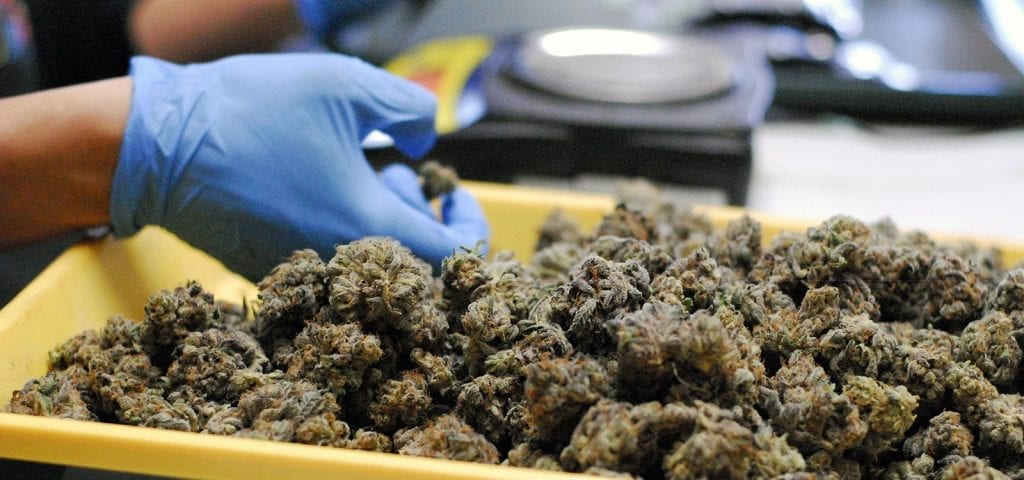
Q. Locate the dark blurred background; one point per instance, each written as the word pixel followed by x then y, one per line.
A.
pixel 50 43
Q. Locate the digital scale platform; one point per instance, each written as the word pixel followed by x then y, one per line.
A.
pixel 673 108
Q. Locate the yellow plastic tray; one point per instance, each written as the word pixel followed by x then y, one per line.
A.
pixel 91 282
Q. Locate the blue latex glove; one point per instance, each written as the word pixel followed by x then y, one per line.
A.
pixel 321 17
pixel 252 157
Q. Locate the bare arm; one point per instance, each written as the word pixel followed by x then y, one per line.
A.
pixel 187 31
pixel 58 152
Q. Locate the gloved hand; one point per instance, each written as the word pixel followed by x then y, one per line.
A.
pixel 321 17
pixel 252 157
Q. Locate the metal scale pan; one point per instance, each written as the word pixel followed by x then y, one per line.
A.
pixel 674 108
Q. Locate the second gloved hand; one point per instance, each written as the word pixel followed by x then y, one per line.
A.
pixel 321 17
pixel 252 157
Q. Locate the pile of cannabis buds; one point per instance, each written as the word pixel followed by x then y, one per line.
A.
pixel 653 347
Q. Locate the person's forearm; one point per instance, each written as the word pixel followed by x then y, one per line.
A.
pixel 58 152
pixel 187 31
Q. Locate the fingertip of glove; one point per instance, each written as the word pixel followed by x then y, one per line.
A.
pixel 463 212
pixel 417 146
pixel 461 199
pixel 405 183
pixel 398 172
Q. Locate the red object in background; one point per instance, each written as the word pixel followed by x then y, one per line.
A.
pixel 431 80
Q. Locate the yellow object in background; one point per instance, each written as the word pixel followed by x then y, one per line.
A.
pixel 444 67
pixel 91 282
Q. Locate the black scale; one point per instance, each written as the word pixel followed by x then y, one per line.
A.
pixel 672 108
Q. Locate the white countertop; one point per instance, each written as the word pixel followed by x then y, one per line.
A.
pixel 940 181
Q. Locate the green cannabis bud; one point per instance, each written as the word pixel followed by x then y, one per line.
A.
pixel 437 179
pixel 54 395
pixel 172 314
pixel 334 357
pixel 376 282
pixel 558 392
pixel 403 402
pixel 559 228
pixel 446 437
pixel 289 296
pixel 219 365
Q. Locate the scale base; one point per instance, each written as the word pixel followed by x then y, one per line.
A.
pixel 501 151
